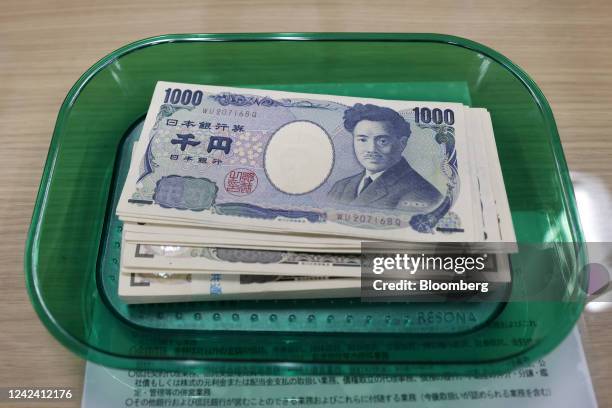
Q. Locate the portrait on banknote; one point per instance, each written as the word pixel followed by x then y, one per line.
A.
pixel 380 136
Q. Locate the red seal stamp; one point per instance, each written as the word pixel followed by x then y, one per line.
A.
pixel 240 182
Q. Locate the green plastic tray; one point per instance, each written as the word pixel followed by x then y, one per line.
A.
pixel 73 247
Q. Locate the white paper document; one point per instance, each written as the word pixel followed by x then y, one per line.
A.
pixel 561 379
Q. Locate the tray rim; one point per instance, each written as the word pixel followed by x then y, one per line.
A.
pixel 32 241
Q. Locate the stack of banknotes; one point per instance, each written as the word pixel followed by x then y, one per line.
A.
pixel 236 193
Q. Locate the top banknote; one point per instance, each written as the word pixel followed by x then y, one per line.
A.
pixel 295 163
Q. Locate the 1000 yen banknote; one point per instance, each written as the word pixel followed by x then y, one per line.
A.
pixel 275 161
pixel 156 288
pixel 239 261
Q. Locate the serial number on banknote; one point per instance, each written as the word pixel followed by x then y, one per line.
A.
pixel 368 219
pixel 229 112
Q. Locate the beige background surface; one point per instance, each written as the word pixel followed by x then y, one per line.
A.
pixel 46 45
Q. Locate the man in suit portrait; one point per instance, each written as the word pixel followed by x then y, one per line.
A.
pixel 387 181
